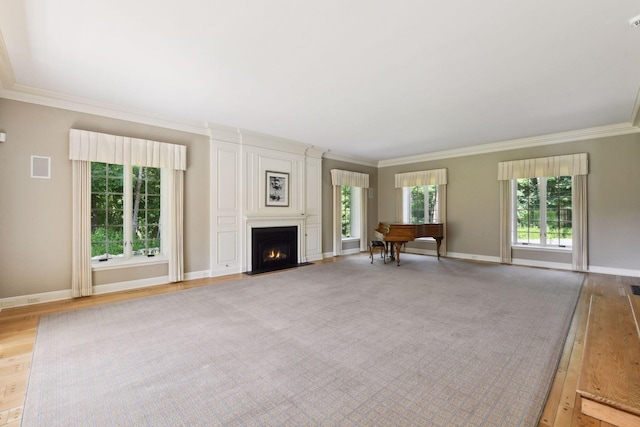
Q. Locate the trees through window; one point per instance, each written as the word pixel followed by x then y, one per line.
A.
pixel 543 211
pixel 125 211
pixel 420 204
pixel 350 211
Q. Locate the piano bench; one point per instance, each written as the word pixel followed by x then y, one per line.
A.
pixel 383 250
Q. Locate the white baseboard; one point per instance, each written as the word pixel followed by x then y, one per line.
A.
pixel 614 271
pixel 472 257
pixel 344 252
pixel 39 298
pixel 318 257
pixel 219 272
pixel 43 297
pixel 97 290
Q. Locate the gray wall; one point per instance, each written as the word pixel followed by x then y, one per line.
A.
pixel 327 199
pixel 473 199
pixel 35 214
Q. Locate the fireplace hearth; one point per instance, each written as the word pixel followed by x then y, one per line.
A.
pixel 273 248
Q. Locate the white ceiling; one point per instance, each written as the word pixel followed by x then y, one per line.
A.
pixel 369 79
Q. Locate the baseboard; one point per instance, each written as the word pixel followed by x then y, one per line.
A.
pixel 614 271
pixel 344 252
pixel 473 257
pixel 40 298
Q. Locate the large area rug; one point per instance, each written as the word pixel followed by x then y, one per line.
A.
pixel 429 343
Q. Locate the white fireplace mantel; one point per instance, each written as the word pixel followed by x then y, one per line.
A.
pixel 238 204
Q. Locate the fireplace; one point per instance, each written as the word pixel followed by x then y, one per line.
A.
pixel 273 248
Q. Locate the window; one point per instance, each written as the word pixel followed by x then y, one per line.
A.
pixel 420 204
pixel 350 211
pixel 543 211
pixel 125 211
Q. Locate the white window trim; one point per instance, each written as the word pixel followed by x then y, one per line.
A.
pixel 406 206
pixel 127 259
pixel 543 246
pixel 355 213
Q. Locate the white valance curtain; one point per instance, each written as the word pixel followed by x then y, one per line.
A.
pixel 353 179
pixel 574 165
pixel 86 147
pixel 569 165
pixel 121 150
pixel 420 178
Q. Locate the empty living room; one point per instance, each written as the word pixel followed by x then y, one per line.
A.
pixel 349 214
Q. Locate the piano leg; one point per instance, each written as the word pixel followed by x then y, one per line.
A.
pixel 438 241
pixel 397 246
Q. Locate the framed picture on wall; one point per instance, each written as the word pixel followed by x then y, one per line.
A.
pixel 277 189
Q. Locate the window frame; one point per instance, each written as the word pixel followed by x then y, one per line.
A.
pixel 355 209
pixel 406 204
pixel 128 258
pixel 542 220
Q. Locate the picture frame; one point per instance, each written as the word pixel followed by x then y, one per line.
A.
pixel 277 191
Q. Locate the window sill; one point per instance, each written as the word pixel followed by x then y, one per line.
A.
pixel 542 248
pixel 116 263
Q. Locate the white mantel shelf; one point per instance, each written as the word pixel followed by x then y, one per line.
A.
pixel 251 218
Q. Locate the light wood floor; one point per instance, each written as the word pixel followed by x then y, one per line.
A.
pixel 18 331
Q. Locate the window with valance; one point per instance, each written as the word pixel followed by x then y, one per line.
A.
pixel 114 158
pixel 533 193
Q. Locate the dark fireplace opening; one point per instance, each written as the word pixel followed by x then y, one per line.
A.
pixel 273 248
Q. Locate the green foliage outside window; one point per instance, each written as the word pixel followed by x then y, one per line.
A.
pixel 418 205
pixel 554 205
pixel 108 223
pixel 346 210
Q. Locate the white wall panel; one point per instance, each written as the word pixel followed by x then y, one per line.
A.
pixel 227 242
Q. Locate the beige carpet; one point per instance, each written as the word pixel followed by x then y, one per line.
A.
pixel 429 343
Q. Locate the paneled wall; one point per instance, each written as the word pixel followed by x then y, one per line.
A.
pixel 239 197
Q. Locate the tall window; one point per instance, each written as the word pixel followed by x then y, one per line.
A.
pixel 350 211
pixel 420 204
pixel 125 211
pixel 543 211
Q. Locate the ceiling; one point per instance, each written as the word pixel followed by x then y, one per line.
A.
pixel 368 79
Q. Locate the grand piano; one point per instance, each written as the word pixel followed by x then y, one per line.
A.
pixel 395 235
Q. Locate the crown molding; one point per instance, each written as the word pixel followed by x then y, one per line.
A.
pixel 270 142
pixel 349 159
pixel 222 133
pixel 9 89
pixel 514 144
pixel 22 93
